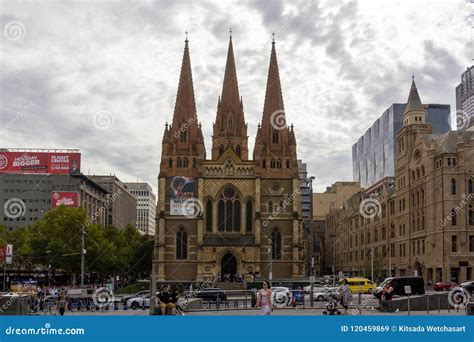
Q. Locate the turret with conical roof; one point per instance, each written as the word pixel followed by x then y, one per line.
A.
pixel 275 143
pixel 183 145
pixel 414 110
pixel 230 129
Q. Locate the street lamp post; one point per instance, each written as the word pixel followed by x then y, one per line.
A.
pixel 311 296
pixel 333 236
pixel 270 273
pixel 83 255
pixel 372 263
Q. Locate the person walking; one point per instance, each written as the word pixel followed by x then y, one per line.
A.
pixel 264 299
pixel 62 303
pixel 346 295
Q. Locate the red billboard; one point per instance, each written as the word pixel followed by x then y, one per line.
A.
pixel 40 162
pixel 67 198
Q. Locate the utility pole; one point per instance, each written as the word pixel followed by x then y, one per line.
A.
pixel 83 255
pixel 333 236
pixel 372 262
pixel 270 273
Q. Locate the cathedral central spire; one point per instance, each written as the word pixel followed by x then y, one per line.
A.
pixel 230 129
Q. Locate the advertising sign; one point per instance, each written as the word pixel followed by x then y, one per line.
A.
pixel 67 198
pixel 182 189
pixel 40 162
pixel 6 254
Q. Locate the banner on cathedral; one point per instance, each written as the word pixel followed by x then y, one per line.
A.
pixel 182 189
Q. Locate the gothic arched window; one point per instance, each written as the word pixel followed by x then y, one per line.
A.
pixel 270 206
pixel 179 163
pixel 471 216
pixel 185 162
pixel 264 164
pixel 453 186
pixel 276 244
pixel 209 216
pixel 238 150
pixel 183 136
pixel 454 219
pixel 221 150
pixel 287 163
pixel 249 216
pixel 170 162
pixel 469 186
pixel 181 244
pixel 228 211
pixel 275 137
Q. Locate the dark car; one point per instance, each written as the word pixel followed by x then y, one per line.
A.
pixel 211 294
pixel 417 285
pixel 444 285
pixel 468 286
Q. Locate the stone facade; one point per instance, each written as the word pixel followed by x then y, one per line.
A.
pixel 419 222
pixel 244 210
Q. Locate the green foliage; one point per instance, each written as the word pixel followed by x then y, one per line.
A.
pixel 56 240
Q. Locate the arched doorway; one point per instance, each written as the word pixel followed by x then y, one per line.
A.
pixel 228 266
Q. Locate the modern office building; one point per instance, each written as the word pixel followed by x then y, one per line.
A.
pixel 146 207
pixel 25 198
pixel 122 210
pixel 373 155
pixel 465 101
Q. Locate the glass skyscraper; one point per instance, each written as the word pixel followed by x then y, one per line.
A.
pixel 373 155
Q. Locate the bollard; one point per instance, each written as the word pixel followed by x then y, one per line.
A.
pixel 360 303
pixel 115 306
pixel 245 303
pixel 125 306
pixel 143 305
pixel 439 305
pixel 408 305
pixel 427 305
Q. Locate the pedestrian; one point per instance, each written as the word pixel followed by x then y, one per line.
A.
pixel 264 299
pixel 164 300
pixel 62 303
pixel 346 294
pixel 387 292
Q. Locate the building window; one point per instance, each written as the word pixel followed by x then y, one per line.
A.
pixel 221 150
pixel 276 244
pixel 249 216
pixel 454 218
pixel 238 150
pixel 181 244
pixel 453 186
pixel 454 243
pixel 275 137
pixel 183 136
pixel 209 216
pixel 270 207
pixel 471 243
pixel 469 186
pixel 471 216
pixel 170 162
pixel 264 164
pixel 287 163
pixel 228 211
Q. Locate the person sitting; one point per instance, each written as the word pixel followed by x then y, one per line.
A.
pixel 164 300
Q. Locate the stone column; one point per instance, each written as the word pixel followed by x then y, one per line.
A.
pixel 214 216
pixel 243 210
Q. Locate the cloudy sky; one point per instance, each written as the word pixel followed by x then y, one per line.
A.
pixel 102 76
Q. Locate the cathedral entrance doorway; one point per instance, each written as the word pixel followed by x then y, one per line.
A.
pixel 228 267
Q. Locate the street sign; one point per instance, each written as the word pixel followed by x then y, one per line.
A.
pixel 407 289
pixel 270 276
pixel 312 279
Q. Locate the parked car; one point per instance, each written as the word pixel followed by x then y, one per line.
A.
pixel 323 294
pixel 138 294
pixel 281 296
pixel 211 294
pixel 417 285
pixel 468 286
pixel 444 285
pixel 317 285
pixel 138 302
pixel 360 285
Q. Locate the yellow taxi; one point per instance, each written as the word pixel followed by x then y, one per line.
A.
pixel 360 285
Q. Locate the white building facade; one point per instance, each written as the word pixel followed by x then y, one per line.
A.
pixel 146 207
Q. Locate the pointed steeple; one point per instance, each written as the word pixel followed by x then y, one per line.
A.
pixel 273 108
pixel 230 98
pixel 414 110
pixel 275 143
pixel 230 129
pixel 183 147
pixel 185 106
